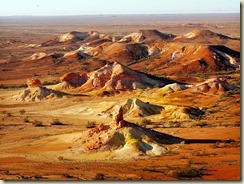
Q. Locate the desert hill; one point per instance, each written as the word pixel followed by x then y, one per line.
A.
pixel 36 92
pixel 147 51
pixel 76 36
pixel 215 86
pixel 203 36
pixel 208 37
pixel 185 58
pixel 115 76
pixel 147 36
pixel 136 108
pixel 120 139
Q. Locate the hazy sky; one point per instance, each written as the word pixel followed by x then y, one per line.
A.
pixel 80 7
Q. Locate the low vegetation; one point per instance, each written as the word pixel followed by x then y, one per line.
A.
pixel 57 122
pixel 37 123
pixel 188 173
pixel 91 124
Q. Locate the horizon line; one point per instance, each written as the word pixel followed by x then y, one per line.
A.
pixel 97 14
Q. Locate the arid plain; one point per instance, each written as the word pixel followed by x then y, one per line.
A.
pixel 120 97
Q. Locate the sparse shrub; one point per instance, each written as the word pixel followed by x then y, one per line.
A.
pixel 174 124
pixel 188 172
pixel 146 122
pixel 91 124
pixel 8 114
pixel 37 123
pixel 184 157
pixel 202 124
pixel 61 158
pixel 99 176
pixel 26 120
pixel 22 111
pixel 51 82
pixel 6 69
pixel 68 176
pixel 57 122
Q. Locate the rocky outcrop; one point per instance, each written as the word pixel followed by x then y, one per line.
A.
pixel 32 83
pixel 146 36
pixel 74 79
pixel 215 86
pixel 203 36
pixel 174 112
pixel 36 92
pixel 130 141
pixel 38 55
pixel 72 36
pixel 118 117
pixel 115 76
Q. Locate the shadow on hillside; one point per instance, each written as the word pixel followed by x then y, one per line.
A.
pixel 169 139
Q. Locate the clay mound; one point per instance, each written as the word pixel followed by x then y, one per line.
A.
pixel 115 76
pixel 108 142
pixel 91 51
pixel 76 54
pixel 117 141
pixel 43 55
pixel 148 36
pixel 215 86
pixel 170 88
pixel 36 92
pixel 126 53
pixel 203 36
pixel 73 80
pixel 137 108
pixel 179 58
pixel 117 52
pixel 174 112
pixel 38 55
pixel 74 35
pixel 153 49
pixel 32 83
pixel 137 51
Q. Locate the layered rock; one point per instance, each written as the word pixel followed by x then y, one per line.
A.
pixel 146 36
pixel 38 55
pixel 32 83
pixel 74 79
pixel 36 92
pixel 115 76
pixel 72 36
pixel 203 36
pixel 118 117
pixel 215 85
pixel 124 142
pixel 174 112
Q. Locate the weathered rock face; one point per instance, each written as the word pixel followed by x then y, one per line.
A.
pixel 72 35
pixel 214 86
pixel 118 117
pixel 115 76
pixel 146 36
pixel 36 92
pixel 32 83
pixel 38 55
pixel 202 34
pixel 74 79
